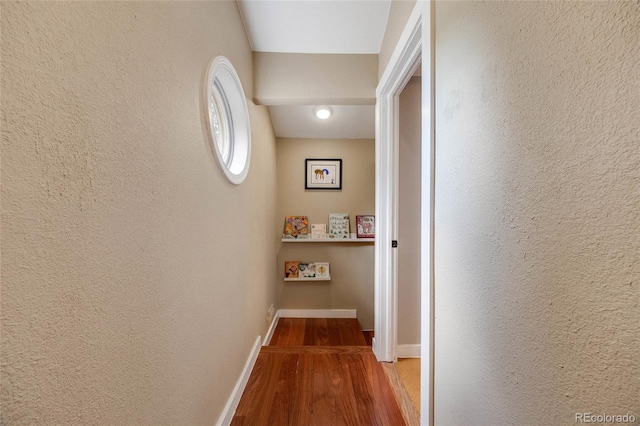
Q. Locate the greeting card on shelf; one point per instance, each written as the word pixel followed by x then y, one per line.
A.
pixel 292 269
pixel 318 231
pixel 338 225
pixel 322 269
pixel 296 227
pixel 307 270
pixel 365 226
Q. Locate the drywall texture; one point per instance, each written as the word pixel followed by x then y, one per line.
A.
pixel 351 264
pixel 135 278
pixel 399 12
pixel 311 79
pixel 537 217
pixel 409 193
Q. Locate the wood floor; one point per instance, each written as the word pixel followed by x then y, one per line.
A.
pixel 318 372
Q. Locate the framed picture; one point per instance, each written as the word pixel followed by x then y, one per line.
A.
pixel 323 174
pixel 365 226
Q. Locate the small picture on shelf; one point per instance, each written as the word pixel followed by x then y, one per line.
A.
pixel 365 226
pixel 339 225
pixel 307 270
pixel 296 227
pixel 322 269
pixel 292 269
pixel 318 231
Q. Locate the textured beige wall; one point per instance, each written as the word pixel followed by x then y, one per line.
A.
pixel 351 285
pixel 306 79
pixel 409 194
pixel 399 13
pixel 537 211
pixel 135 279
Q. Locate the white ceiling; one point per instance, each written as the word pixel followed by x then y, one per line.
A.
pixel 319 27
pixel 307 26
pixel 346 122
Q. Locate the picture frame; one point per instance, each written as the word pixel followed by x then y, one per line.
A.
pixel 365 226
pixel 323 174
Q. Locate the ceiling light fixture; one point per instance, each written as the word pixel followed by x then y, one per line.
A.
pixel 323 112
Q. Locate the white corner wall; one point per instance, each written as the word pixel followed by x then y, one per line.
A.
pixel 537 219
pixel 135 278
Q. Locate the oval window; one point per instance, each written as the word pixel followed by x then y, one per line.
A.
pixel 228 119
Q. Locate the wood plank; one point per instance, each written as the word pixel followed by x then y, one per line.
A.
pixel 350 332
pixel 318 332
pixel 409 411
pixel 289 332
pixel 368 336
pixel 317 349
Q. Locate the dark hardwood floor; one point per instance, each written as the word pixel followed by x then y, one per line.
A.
pixel 318 372
pixel 318 332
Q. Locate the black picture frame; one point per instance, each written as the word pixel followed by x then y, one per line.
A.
pixel 323 174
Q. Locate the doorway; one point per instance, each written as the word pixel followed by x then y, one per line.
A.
pixel 415 47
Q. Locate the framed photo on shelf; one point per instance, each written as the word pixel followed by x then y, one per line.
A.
pixel 323 174
pixel 365 226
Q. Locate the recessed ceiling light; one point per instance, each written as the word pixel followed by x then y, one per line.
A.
pixel 323 112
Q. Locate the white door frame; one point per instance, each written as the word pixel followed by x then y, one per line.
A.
pixel 414 47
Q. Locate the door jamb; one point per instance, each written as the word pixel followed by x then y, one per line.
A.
pixel 415 46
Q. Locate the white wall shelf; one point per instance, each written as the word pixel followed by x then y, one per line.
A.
pixel 329 240
pixel 308 279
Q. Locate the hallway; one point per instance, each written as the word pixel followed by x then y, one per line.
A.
pixel 318 372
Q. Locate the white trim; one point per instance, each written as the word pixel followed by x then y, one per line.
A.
pixel 308 279
pixel 415 44
pixel 272 328
pixel 408 351
pixel 401 67
pixel 427 304
pixel 235 114
pixel 317 313
pixel 232 403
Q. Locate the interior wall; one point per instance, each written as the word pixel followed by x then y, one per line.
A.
pixel 310 79
pixel 409 212
pixel 135 278
pixel 537 211
pixel 399 12
pixel 351 264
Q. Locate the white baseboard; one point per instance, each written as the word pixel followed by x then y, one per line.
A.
pixel 232 404
pixel 272 328
pixel 408 351
pixel 317 313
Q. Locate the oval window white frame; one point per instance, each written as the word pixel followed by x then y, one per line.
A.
pixel 225 101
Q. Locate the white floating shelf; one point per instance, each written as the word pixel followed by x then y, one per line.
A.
pixel 353 239
pixel 308 279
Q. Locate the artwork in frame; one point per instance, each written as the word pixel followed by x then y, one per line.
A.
pixel 323 174
pixel 365 226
